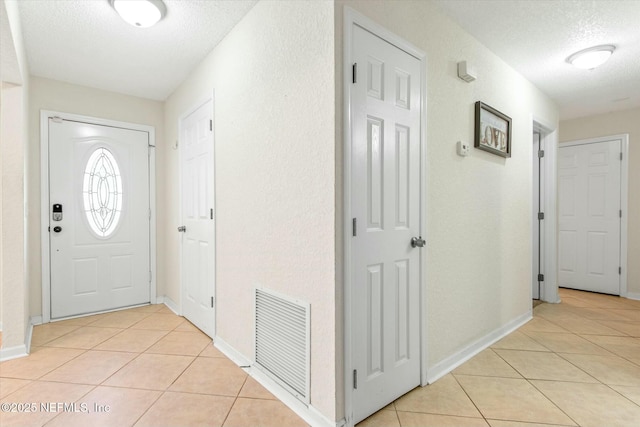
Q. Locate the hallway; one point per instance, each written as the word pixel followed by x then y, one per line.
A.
pixel 575 363
pixel 149 366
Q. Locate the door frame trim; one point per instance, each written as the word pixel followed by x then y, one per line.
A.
pixel 44 199
pixel 193 108
pixel 549 139
pixel 624 196
pixel 351 18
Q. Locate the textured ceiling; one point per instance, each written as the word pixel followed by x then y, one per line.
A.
pixel 87 43
pixel 9 68
pixel 536 37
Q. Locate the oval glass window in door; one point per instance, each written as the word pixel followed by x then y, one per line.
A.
pixel 102 192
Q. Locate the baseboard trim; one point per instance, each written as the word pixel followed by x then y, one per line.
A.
pixel 633 295
pixel 169 303
pixel 233 354
pixel 35 320
pixel 28 335
pixel 308 413
pixel 13 352
pixel 447 365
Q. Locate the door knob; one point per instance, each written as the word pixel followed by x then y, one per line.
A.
pixel 182 229
pixel 57 229
pixel 417 242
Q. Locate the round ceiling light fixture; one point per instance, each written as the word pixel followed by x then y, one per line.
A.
pixel 140 13
pixel 590 58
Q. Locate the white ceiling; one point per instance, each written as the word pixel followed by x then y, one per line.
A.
pixel 85 42
pixel 536 37
pixel 9 69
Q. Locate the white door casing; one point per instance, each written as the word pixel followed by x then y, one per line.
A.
pixel 590 216
pixel 99 245
pixel 198 213
pixel 544 191
pixel 539 223
pixel 383 279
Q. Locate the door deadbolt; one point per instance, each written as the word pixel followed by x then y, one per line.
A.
pixel 182 229
pixel 56 212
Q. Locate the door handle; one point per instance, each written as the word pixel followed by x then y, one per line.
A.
pixel 57 229
pixel 417 242
pixel 182 229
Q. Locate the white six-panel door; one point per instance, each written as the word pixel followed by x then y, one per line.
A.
pixel 385 204
pixel 589 195
pixel 198 244
pixel 98 217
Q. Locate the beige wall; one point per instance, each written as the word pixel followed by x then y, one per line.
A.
pixel 14 315
pixel 614 124
pixel 478 272
pixel 274 146
pixel 12 274
pixel 68 98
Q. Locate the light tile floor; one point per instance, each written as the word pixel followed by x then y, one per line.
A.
pixel 138 367
pixel 575 364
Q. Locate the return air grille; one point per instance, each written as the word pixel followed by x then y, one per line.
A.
pixel 282 341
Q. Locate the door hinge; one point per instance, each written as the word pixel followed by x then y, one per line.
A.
pixel 211 213
pixel 354 227
pixel 210 125
pixel 540 277
pixel 620 270
pixel 620 156
pixel 149 213
pixel 354 71
pixel 212 299
pixel 540 216
pixel 355 379
pixel 620 213
pixel 540 154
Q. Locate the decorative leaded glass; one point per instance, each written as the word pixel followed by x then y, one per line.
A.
pixel 102 192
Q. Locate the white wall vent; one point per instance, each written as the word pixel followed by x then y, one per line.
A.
pixel 282 341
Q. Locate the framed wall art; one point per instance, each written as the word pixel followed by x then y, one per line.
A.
pixel 493 130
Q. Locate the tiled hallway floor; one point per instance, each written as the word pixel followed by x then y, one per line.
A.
pixel 575 363
pixel 147 365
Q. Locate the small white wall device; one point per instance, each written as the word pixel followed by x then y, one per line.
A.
pixel 462 148
pixel 465 72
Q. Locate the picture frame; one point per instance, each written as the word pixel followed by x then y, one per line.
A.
pixel 492 130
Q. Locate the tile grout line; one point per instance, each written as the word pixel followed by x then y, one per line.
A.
pixel 470 399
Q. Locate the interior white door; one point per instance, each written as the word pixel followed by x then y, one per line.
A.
pixel 385 203
pixel 99 217
pixel 589 218
pixel 198 239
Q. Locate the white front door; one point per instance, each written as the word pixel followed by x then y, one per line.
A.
pixel 385 204
pixel 198 239
pixel 589 183
pixel 98 217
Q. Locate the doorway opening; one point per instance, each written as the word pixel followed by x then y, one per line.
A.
pixel 97 215
pixel 543 213
pixel 592 195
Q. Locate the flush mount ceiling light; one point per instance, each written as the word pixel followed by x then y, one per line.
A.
pixel 592 57
pixel 140 13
